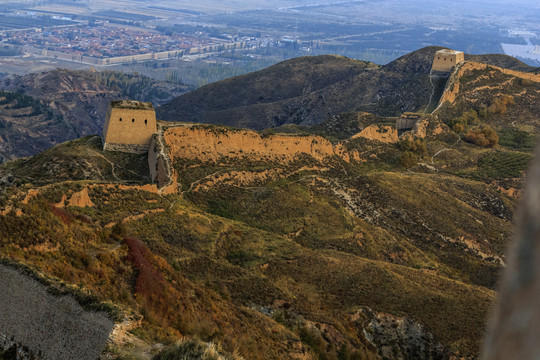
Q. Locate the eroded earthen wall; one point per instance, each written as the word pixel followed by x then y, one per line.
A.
pixel 55 326
pixel 212 144
pixel 453 88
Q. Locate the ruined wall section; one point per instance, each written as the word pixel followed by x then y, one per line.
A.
pixel 56 327
pixel 384 134
pixel 157 164
pixel 129 130
pixel 213 144
pixel 161 171
pixel 453 86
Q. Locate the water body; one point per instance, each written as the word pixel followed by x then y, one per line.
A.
pixel 528 53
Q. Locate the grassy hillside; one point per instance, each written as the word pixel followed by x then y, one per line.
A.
pixel 81 159
pixel 297 265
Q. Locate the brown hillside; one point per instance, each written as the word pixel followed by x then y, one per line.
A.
pixel 272 239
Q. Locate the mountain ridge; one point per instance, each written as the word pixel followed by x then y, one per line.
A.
pixel 349 85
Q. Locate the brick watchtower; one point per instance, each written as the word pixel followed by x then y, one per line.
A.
pixel 446 59
pixel 129 126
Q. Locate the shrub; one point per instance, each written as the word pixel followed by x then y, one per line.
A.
pixel 157 298
pixel 347 353
pixel 408 159
pixel 482 110
pixel 417 146
pixel 499 105
pixel 149 281
pixel 9 354
pixel 484 136
pixel 526 82
pixel 313 338
pixel 460 123
pixel 471 116
pixel 66 217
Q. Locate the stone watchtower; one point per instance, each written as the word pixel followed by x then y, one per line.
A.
pixel 446 59
pixel 129 126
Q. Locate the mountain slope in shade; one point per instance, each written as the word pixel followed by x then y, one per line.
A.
pixel 48 108
pixel 309 90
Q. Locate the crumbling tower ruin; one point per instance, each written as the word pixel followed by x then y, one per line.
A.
pixel 446 59
pixel 129 126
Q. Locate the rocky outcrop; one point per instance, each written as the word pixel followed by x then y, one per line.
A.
pixel 159 163
pixel 81 199
pixel 398 337
pixel 52 326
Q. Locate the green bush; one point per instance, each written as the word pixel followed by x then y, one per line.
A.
pixel 517 139
pixel 417 146
pixel 460 123
pixel 408 159
pixel 482 110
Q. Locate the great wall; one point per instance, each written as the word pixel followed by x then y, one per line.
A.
pixel 210 144
pixel 131 126
pixel 453 87
pixel 75 333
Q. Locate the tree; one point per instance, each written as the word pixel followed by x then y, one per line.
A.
pixel 408 159
pixel 484 136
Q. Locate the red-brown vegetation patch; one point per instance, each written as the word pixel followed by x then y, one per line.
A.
pixel 66 217
pixel 484 136
pixel 159 300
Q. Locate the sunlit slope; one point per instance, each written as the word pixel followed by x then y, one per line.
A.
pixel 292 257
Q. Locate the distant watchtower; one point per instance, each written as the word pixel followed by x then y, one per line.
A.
pixel 446 59
pixel 129 126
